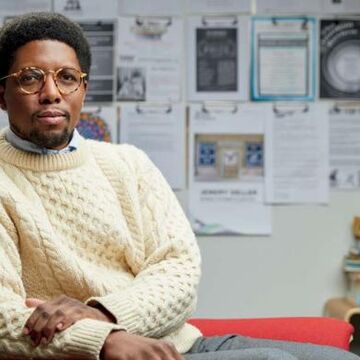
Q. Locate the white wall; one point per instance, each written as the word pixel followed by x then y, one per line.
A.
pixel 290 273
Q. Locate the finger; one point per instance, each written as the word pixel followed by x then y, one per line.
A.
pixel 53 324
pixel 33 318
pixel 36 329
pixel 62 316
pixel 33 302
pixel 165 351
pixel 70 318
pixel 174 353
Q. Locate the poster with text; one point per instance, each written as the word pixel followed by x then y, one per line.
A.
pixel 159 130
pixel 226 170
pixel 283 58
pixel 339 58
pixel 101 36
pixel 217 58
pixel 344 130
pixel 297 154
pixel 149 66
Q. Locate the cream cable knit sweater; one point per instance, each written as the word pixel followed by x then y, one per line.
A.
pixel 98 223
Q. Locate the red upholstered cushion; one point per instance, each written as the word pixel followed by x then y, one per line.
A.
pixel 316 330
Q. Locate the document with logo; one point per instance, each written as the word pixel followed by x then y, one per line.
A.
pixel 150 55
pixel 217 58
pixel 99 123
pixel 159 130
pixel 226 171
pixel 297 154
pixel 90 9
pixel 283 58
pixel 344 131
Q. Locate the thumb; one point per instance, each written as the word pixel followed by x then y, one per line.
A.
pixel 33 302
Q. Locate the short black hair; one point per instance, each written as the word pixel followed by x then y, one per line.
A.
pixel 42 26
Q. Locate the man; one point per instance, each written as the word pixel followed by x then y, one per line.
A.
pixel 96 257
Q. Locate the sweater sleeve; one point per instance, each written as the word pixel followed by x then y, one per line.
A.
pixel 163 255
pixel 82 340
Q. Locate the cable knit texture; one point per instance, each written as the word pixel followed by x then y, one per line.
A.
pixel 102 224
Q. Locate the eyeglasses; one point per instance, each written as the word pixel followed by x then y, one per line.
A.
pixel 32 79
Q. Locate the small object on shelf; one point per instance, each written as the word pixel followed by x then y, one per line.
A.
pixel 352 265
pixel 356 227
pixel 341 308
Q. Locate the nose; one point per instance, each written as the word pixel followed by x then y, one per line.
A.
pixel 49 93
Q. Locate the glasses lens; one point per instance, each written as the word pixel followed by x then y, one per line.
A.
pixel 31 80
pixel 68 80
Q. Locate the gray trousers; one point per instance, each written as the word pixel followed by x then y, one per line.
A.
pixel 235 347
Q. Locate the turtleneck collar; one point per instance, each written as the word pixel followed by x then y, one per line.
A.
pixel 38 162
pixel 26 145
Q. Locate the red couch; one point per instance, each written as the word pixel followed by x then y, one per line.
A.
pixel 315 330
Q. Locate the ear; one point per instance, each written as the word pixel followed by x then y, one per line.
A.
pixel 2 98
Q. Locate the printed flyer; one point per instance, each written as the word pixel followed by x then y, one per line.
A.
pixel 340 59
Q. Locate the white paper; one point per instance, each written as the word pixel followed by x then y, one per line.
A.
pixel 283 58
pixel 297 154
pixel 19 7
pixel 159 131
pixel 350 7
pixel 99 123
pixel 218 58
pixel 308 6
pixel 344 128
pixel 226 172
pixel 218 6
pixel 289 6
pixel 91 9
pixel 101 36
pixel 150 8
pixel 283 70
pixel 150 59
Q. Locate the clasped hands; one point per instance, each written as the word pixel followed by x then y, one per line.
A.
pixel 59 314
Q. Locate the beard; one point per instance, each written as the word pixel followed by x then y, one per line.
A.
pixel 50 140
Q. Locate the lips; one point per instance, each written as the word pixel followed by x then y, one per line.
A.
pixel 51 117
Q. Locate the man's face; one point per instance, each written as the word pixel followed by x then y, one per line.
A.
pixel 47 118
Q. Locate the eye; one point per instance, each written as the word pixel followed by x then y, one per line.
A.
pixel 30 76
pixel 68 76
